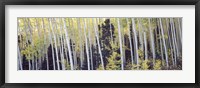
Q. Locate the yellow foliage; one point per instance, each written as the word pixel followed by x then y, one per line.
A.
pixel 113 63
pixel 157 65
pixel 145 65
pixel 135 66
pixel 100 67
pixel 67 65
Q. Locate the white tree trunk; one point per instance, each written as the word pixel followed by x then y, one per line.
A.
pixel 81 49
pixel 90 43
pixel 173 42
pixel 170 42
pixel 162 33
pixel 18 50
pixel 68 44
pixel 140 35
pixel 98 43
pixel 62 51
pixel 19 59
pixel 27 43
pixel 136 43
pixel 145 45
pixel 130 41
pixel 175 38
pixel 45 45
pixel 180 30
pixel 50 38
pixel 58 65
pixel 65 47
pixel 39 51
pixel 86 44
pixel 111 32
pixel 152 41
pixel 120 41
pixel 161 43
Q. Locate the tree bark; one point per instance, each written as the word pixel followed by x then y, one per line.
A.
pixel 130 41
pixel 98 43
pixel 68 44
pixel 166 55
pixel 120 41
pixel 57 60
pixel 86 45
pixel 50 38
pixel 136 43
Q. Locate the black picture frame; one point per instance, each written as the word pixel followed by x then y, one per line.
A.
pixel 3 3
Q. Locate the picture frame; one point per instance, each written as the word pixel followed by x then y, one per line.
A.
pixel 98 2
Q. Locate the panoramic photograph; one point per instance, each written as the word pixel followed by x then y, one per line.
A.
pixel 99 43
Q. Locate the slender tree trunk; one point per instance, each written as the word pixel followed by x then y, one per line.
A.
pixel 19 59
pixel 136 43
pixel 39 51
pixel 18 48
pixel 61 45
pixel 50 38
pixel 166 55
pixel 152 41
pixel 180 30
pixel 81 49
pixel 58 65
pixel 130 41
pixel 65 48
pixel 68 44
pixel 123 44
pixel 178 36
pixel 74 45
pixel 98 43
pixel 70 33
pixel 140 35
pixel 170 42
pixel 29 64
pixel 32 43
pixel 90 43
pixel 63 59
pixel 27 43
pixel 36 64
pixel 161 43
pixel 86 45
pixel 145 45
pixel 111 32
pixel 175 39
pixel 45 45
pixel 57 34
pixel 120 41
pixel 173 42
pixel 32 61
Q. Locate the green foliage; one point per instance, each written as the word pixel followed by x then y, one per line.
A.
pixel 157 65
pixel 113 64
pixel 140 53
pixel 67 65
pixel 28 51
pixel 135 66
pixel 145 65
pixel 114 47
pixel 100 67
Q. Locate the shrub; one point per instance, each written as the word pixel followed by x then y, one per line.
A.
pixel 145 65
pixel 113 64
pixel 157 65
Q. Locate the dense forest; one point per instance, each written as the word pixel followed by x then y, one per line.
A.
pixel 99 43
